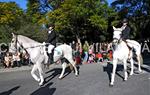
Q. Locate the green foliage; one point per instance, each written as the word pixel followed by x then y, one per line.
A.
pixel 34 10
pixel 80 17
pixel 5 33
pixel 9 12
pixel 138 12
pixel 33 31
pixel 12 19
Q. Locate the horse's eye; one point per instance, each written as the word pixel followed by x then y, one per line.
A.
pixel 12 41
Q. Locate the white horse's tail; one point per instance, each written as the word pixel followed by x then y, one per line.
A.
pixel 141 59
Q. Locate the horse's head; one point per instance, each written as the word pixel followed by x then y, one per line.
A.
pixel 117 34
pixel 14 43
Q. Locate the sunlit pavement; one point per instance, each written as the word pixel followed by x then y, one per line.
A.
pixel 93 80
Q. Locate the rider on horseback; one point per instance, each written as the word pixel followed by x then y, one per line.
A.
pixel 126 30
pixel 51 41
pixel 126 34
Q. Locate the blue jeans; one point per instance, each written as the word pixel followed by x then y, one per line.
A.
pixel 85 56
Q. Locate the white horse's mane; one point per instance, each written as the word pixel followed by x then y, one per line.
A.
pixel 27 40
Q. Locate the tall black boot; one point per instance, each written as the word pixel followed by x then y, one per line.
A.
pixel 50 58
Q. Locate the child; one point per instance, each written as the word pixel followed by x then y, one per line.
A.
pixel 91 58
pixel 91 54
pixel 109 55
pixel 99 57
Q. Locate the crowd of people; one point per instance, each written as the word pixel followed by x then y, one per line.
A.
pixel 91 53
pixel 10 60
pixel 83 54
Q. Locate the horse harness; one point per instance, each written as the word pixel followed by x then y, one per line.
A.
pixel 16 41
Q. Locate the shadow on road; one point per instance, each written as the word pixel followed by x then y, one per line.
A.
pixel 108 68
pixel 46 90
pixel 143 68
pixel 56 72
pixel 10 91
pixel 146 58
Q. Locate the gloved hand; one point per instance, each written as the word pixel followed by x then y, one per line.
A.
pixel 44 43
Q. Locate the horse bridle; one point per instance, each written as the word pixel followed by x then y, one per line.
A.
pixel 17 41
pixel 118 40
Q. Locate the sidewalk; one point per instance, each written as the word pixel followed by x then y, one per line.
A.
pixel 22 68
pixel 145 67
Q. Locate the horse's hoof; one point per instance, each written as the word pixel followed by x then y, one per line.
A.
pixel 60 78
pixel 131 74
pixel 138 72
pixel 38 80
pixel 124 80
pixel 111 85
pixel 41 84
pixel 77 75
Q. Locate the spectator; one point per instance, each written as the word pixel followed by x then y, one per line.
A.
pixel 91 54
pixel 85 49
pixel 77 55
pixel 109 55
pixel 25 59
pixel 73 46
pixel 8 60
pixel 17 59
pixel 99 57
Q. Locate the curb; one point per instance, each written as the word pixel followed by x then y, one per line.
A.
pixel 22 68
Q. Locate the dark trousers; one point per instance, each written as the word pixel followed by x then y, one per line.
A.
pixel 17 63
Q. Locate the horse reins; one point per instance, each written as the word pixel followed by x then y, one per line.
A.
pixel 22 45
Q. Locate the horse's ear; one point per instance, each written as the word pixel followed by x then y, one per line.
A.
pixel 13 34
pixel 122 28
pixel 114 27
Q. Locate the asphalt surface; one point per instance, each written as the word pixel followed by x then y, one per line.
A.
pixel 93 80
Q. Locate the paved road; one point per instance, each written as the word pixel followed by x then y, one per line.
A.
pixel 93 80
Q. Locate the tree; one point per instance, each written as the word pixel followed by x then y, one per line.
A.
pixel 9 12
pixel 138 12
pixel 14 19
pixel 33 10
pixel 83 18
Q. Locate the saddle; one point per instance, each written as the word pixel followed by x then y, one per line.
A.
pixel 58 52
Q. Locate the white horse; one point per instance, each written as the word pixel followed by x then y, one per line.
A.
pixel 38 55
pixel 122 53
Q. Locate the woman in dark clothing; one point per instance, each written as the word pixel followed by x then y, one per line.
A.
pixel 126 30
pixel 51 36
pixel 51 40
